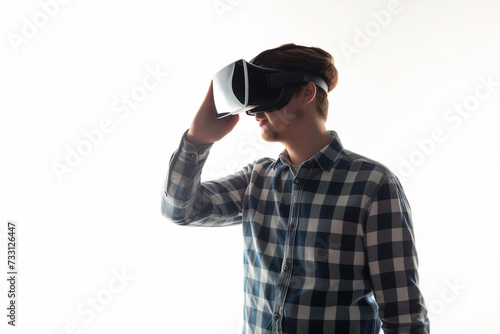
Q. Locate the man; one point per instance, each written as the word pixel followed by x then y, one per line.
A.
pixel 328 237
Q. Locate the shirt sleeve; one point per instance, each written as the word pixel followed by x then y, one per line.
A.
pixel 187 201
pixel 392 261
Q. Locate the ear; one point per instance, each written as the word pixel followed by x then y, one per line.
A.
pixel 308 93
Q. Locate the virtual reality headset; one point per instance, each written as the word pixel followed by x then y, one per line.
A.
pixel 245 87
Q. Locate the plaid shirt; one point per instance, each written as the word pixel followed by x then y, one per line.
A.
pixel 328 248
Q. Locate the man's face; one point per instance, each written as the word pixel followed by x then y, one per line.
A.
pixel 280 124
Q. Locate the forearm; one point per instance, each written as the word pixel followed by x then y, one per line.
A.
pixel 393 263
pixel 183 181
pixel 185 200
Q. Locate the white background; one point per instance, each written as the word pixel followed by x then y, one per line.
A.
pixel 401 75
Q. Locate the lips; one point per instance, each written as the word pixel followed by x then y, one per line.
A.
pixel 261 121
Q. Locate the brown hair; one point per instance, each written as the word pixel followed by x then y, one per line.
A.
pixel 291 57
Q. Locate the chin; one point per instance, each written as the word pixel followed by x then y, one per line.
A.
pixel 271 136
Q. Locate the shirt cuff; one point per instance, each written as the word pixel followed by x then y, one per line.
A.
pixel 191 153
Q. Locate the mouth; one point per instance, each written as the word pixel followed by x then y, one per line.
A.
pixel 260 120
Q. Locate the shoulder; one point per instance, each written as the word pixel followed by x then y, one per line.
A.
pixel 262 166
pixel 365 169
pixel 360 162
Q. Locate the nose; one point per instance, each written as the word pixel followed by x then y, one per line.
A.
pixel 259 116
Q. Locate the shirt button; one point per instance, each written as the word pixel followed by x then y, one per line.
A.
pixel 297 181
pixel 193 156
pixel 292 226
pixel 276 316
pixel 285 267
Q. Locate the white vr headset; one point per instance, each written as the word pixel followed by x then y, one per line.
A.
pixel 245 87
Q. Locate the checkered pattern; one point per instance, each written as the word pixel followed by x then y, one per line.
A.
pixel 327 249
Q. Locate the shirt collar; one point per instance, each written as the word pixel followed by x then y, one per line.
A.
pixel 326 158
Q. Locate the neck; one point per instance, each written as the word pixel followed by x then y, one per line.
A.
pixel 306 143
